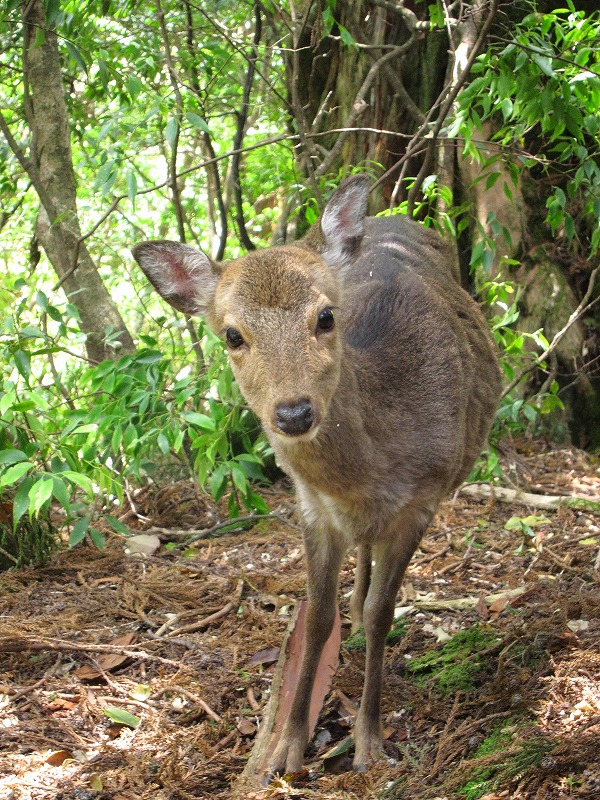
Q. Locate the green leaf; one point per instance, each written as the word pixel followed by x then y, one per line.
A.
pixel 103 73
pixel 75 54
pixel 163 443
pixel 117 525
pixel 78 531
pixel 197 121
pixel 346 36
pixel 134 86
pixel 90 427
pixel 23 363
pixel 12 456
pixel 39 494
pixel 98 538
pixel 21 499
pixel 171 130
pixel 52 11
pixel 80 480
pixel 61 492
pixel 13 474
pixel 132 186
pixel 199 420
pixel 122 717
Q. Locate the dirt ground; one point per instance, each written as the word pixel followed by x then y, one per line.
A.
pixel 492 677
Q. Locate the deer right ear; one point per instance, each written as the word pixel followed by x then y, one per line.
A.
pixel 182 275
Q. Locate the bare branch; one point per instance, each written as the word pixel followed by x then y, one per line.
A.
pixel 242 118
pixel 583 306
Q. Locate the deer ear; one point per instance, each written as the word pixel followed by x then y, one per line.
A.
pixel 342 223
pixel 182 275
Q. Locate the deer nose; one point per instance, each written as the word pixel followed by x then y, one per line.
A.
pixel 295 418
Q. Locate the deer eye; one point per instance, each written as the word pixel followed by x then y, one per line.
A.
pixel 233 338
pixel 325 320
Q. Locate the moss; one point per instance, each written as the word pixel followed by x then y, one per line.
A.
pixel 526 756
pixel 357 641
pixel 456 665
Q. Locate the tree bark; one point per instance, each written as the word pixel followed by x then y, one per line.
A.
pixel 51 169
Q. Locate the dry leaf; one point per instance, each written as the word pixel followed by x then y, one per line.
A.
pixel 246 727
pixel 481 607
pixel 106 661
pixel 58 757
pixel 264 657
pixel 145 544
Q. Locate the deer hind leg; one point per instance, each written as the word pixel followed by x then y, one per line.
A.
pixel 362 579
pixel 391 556
pixel 324 552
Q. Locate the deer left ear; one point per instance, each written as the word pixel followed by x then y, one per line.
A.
pixel 185 277
pixel 342 223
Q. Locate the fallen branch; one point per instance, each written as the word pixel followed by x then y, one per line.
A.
pixel 195 534
pixel 19 644
pixel 464 603
pixel 547 502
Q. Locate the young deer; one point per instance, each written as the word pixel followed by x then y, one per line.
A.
pixel 376 381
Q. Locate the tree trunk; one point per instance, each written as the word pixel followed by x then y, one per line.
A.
pixel 52 173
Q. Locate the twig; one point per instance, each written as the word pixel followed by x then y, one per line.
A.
pixel 194 698
pixel 196 534
pixel 204 623
pixel 29 689
pixel 583 306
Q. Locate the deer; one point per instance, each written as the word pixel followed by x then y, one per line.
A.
pixel 376 381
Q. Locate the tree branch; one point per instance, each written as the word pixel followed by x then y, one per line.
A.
pixel 581 308
pixel 453 92
pixel 242 118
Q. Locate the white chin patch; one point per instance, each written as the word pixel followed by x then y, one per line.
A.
pixel 298 437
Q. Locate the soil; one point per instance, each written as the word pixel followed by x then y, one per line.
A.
pixel 496 696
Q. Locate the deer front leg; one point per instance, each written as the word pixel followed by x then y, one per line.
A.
pixel 390 557
pixel 324 552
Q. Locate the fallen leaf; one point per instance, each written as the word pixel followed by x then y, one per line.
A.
pixel 96 782
pixel 481 607
pixel 122 717
pixel 106 661
pixel 143 544
pixel 246 727
pixel 333 758
pixel 140 692
pixel 578 625
pixel 58 757
pixel 347 706
pixel 264 657
pixel 61 705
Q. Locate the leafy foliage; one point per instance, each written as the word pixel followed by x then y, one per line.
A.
pixel 183 126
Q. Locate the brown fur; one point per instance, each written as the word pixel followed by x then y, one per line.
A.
pixel 401 392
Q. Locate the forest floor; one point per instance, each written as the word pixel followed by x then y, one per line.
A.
pixel 492 679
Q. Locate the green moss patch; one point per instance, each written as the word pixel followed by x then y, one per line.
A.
pixel 457 664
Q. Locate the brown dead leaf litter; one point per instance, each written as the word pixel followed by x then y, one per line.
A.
pixel 185 640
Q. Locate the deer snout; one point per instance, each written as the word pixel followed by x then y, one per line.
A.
pixel 295 418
